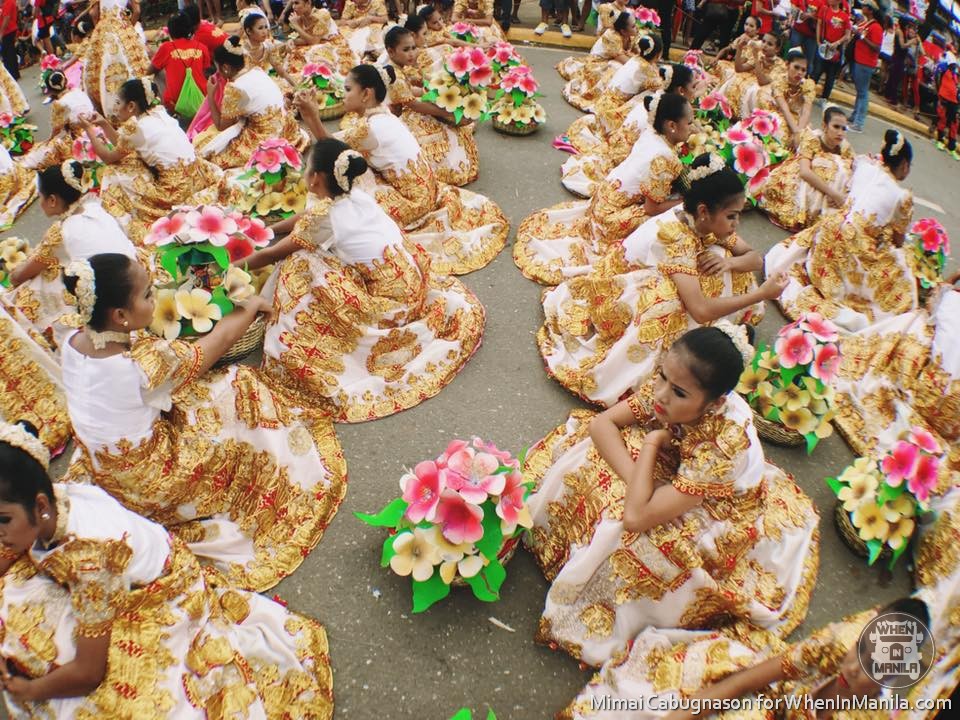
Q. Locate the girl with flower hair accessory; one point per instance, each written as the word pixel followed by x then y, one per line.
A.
pixel 251 111
pixel 478 13
pixel 462 231
pixel 113 52
pixel 362 23
pixel 151 166
pixel 662 511
pixel 66 127
pixel 250 479
pixel 850 266
pixel 317 39
pixel 586 75
pixel 17 189
pixel 757 64
pixel 82 229
pixel 449 146
pixel 815 180
pixel 405 333
pixel 604 331
pixel 264 52
pixel 791 96
pixel 99 581
pixel 567 239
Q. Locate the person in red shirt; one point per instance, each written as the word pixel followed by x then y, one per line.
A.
pixel 803 33
pixel 8 29
pixel 204 31
pixel 763 11
pixel 948 101
pixel 833 28
pixel 868 36
pixel 177 55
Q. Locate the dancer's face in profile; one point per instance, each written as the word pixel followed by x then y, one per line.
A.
pixel 678 397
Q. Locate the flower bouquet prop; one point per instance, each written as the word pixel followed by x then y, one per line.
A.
pixel 515 109
pixel 48 63
pixel 465 32
pixel 931 246
pixel 461 87
pixel 16 134
pixel 790 387
pixel 879 502
pixel 457 522
pixel 13 251
pixel 273 185
pixel 195 246
pixel 82 151
pixel 327 88
pixel 503 57
pixel 648 20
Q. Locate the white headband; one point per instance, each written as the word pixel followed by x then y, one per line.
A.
pixel 654 104
pixel 667 76
pixel 18 436
pixel 715 165
pixel 340 167
pixel 738 336
pixel 897 144
pixel 148 93
pixel 66 169
pixel 86 289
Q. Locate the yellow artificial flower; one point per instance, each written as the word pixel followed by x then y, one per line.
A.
pixel 770 361
pixel 415 554
pixel 524 113
pixel 862 488
pixel 900 532
pixel 828 392
pixel 440 80
pixel 868 519
pixel 194 305
pixel 819 407
pixel 539 114
pixel 238 284
pixel 865 465
pixel 506 115
pixel 473 106
pixel 801 420
pixel 750 379
pixel 899 507
pixel 269 202
pixel 824 429
pixel 166 317
pixel 449 98
pixel 792 398
pixel 294 199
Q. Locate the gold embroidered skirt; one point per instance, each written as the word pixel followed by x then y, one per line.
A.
pixel 233 147
pixel 335 52
pixel 791 202
pixel 12 99
pixel 114 54
pixel 451 151
pixel 18 188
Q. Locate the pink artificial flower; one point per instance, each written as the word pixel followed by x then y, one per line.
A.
pixel 643 15
pixel 83 150
pixel 238 247
pixel 818 326
pixel 511 80
pixel 762 125
pixel 725 109
pixel 211 224
pixel 268 160
pixel 933 239
pixel 49 62
pixel 512 509
pixel 502 52
pixel 459 520
pixel 422 489
pixel 924 440
pixel 749 158
pixel 478 58
pixel 794 348
pixel 481 76
pixel 258 232
pixel 738 135
pixel 164 229
pixel 313 69
pixel 273 143
pixel 502 455
pixel 462 28
pixel 900 463
pixel 924 478
pixel 293 157
pixel 756 183
pixel 826 363
pixel 472 474
pixel 709 102
pixel 5 119
pixel 692 57
pixel 453 448
pixel 459 63
pixel 528 84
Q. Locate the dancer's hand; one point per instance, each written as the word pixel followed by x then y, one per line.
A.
pixel 259 305
pixel 712 264
pixel 774 285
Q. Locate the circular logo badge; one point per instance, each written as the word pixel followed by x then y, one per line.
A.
pixel 896 650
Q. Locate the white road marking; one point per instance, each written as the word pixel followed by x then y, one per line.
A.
pixel 929 204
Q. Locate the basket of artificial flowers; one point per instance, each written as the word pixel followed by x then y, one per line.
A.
pixel 515 109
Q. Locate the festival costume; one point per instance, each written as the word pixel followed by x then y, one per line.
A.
pixel 18 188
pixel 795 96
pixel 367 39
pixel 362 328
pixel 269 58
pixel 489 33
pixel 568 238
pixel 332 49
pixel 253 102
pixel 790 201
pixel 450 150
pixel 748 552
pixel 743 90
pixel 65 114
pixel 462 231
pixel 112 54
pixel 236 469
pixel 846 266
pixel 184 643
pixel 12 99
pixel 603 333
pixel 587 75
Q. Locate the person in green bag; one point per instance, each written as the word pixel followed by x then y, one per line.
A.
pixel 184 91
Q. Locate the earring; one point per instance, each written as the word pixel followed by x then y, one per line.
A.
pixel 45 516
pixel 125 323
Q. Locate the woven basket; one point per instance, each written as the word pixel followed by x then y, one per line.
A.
pixel 851 538
pixel 332 112
pixel 512 129
pixel 775 432
pixel 248 342
pixel 506 552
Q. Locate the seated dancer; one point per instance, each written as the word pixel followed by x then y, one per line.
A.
pixel 742 662
pixel 403 335
pixel 724 65
pixel 251 111
pixel 122 617
pixel 757 65
pixel 608 12
pixel 17 189
pixel 152 167
pixel 66 127
pixel 638 76
pixel 603 333
pixel 662 511
pixel 478 13
pixel 569 238
pixel 462 231
pixel 81 229
pixel 362 23
pixel 850 265
pixel 814 181
pixel 317 40
pixel 586 74
pixel 449 146
pixel 438 41
pixel 262 51
pixel 791 96
pixel 113 52
pixel 250 480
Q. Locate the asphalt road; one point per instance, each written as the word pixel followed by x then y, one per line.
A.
pixel 388 663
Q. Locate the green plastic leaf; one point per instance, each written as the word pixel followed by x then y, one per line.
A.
pixel 219 298
pixel 486 583
pixel 835 485
pixel 388 517
pixel 873 547
pixel 897 553
pixel 522 456
pixel 429 592
pixel 773 414
pixel 458 115
pixel 169 257
pixel 888 493
pixel 788 374
pixel 272 178
pixel 812 440
pixel 430 96
pixel 491 715
pixel 388 551
pixel 499 94
pixel 492 538
pixel 462 714
pixel 220 255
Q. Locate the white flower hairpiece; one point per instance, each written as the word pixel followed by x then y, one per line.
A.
pixel 340 166
pixel 66 169
pixel 738 336
pixel 667 76
pixel 897 145
pixel 387 82
pixel 18 436
pixel 86 289
pixel 233 48
pixel 715 165
pixel 148 93
pixel 654 104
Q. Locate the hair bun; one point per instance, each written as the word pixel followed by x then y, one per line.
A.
pixel 356 166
